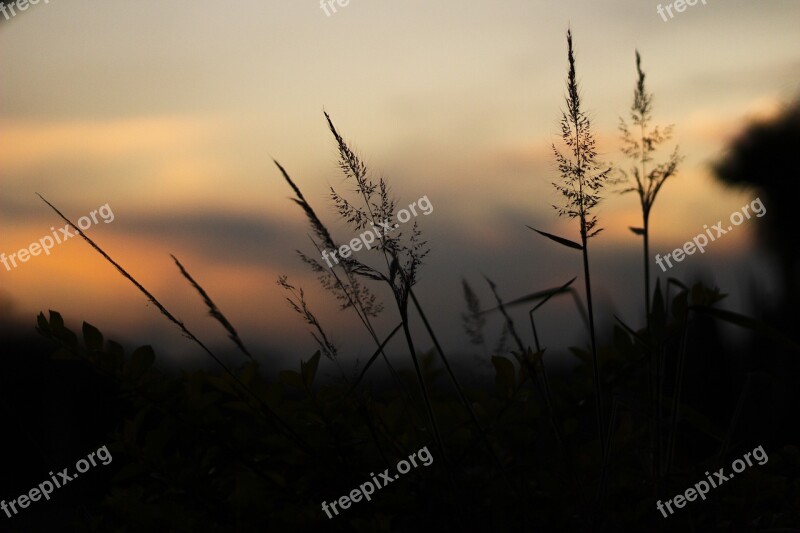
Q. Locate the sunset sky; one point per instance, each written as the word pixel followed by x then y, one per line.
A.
pixel 171 113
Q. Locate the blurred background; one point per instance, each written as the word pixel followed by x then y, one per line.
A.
pixel 172 113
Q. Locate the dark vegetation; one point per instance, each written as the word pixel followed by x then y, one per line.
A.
pixel 638 419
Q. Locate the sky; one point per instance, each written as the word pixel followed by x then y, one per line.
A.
pixel 171 114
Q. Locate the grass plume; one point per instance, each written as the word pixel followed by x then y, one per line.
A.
pixel 646 180
pixel 582 180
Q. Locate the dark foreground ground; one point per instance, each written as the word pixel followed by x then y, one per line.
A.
pixel 198 450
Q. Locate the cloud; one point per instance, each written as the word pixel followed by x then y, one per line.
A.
pixel 30 144
pixel 225 237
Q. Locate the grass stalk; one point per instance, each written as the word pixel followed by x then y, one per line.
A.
pixel 459 390
pixel 352 296
pixel 641 148
pixel 582 179
pixel 676 397
pixel 424 390
pixel 264 408
pixel 401 274
pixel 214 311
pixel 598 394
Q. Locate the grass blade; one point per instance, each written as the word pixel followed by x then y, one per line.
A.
pixel 213 310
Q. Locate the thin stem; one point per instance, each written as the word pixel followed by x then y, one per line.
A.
pixel 358 306
pixel 735 418
pixel 455 381
pixel 676 398
pixel 655 434
pixel 604 473
pixel 580 171
pixel 595 363
pixel 646 227
pixel 646 239
pixel 659 408
pixel 549 400
pixel 423 387
pixel 264 408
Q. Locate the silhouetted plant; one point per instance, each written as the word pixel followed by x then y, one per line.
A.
pixel 646 179
pixel 265 409
pixel 194 453
pixel 298 302
pixel 473 320
pixel 640 147
pixel 214 311
pixel 582 179
pixel 403 256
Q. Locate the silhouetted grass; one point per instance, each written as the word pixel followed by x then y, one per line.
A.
pixel 582 180
pixel 242 450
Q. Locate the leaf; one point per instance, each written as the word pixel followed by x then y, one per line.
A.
pixel 141 361
pixel 504 374
pixel 374 357
pixel 54 330
pixel 747 323
pixel 42 322
pixel 675 281
pixel 55 320
pixel 704 296
pixel 290 377
pixel 531 362
pixel 637 231
pixel 115 350
pixel 581 354
pixel 240 406
pixel 114 357
pixel 570 426
pixel 92 337
pixel 658 313
pixel 223 384
pixel 539 295
pixel 309 370
pixel 634 334
pixel 700 421
pixel 560 240
pixel 248 373
pixel 622 341
pixel 680 305
pixel 64 355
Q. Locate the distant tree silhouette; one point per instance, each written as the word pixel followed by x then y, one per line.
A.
pixel 764 158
